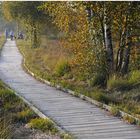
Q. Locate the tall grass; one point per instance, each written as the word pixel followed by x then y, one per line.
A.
pixel 118 84
pixel 124 83
pixel 5 127
pixel 62 68
pixel 2 41
pixel 134 77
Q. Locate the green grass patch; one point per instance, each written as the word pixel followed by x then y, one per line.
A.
pixel 118 84
pixel 25 115
pixel 114 110
pixel 99 95
pixel 62 68
pixel 66 136
pixel 134 77
pixel 129 119
pixel 45 125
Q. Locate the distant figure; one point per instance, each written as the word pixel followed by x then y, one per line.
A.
pixel 6 33
pixel 20 36
pixel 12 35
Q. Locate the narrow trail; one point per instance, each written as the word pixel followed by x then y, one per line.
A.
pixel 79 117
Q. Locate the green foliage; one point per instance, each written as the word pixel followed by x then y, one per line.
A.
pixel 98 80
pixel 100 96
pixel 129 119
pixel 115 110
pixel 134 77
pixel 124 83
pixel 45 125
pixel 65 136
pixel 119 84
pixel 62 68
pixel 7 95
pixel 27 15
pixel 25 115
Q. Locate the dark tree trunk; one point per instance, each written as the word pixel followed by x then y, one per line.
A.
pixel 125 63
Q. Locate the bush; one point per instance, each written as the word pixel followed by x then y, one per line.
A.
pixel 62 68
pixel 129 119
pixel 42 124
pixel 98 80
pixel 134 77
pixel 25 115
pixel 100 96
pixel 118 84
pixel 65 136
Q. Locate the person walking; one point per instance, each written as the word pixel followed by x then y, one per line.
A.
pixel 12 35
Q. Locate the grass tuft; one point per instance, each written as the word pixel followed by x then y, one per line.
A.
pixel 65 136
pixel 114 110
pixel 134 77
pixel 118 84
pixel 25 115
pixel 129 119
pixel 100 96
pixel 43 124
pixel 62 68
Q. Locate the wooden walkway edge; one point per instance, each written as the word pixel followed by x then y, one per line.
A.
pixel 80 118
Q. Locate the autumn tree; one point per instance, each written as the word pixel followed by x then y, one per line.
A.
pixel 94 29
pixel 28 15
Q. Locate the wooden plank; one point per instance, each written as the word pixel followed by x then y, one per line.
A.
pixel 94 125
pixel 99 131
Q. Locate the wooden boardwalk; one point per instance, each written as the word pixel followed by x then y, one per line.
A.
pixel 79 117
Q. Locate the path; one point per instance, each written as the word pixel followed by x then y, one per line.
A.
pixel 79 117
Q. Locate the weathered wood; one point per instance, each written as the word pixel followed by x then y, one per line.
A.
pixel 79 117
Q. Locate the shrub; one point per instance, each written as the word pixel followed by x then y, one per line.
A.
pixel 134 77
pixel 65 136
pixel 118 84
pixel 42 124
pixel 129 119
pixel 98 80
pixel 100 96
pixel 25 115
pixel 62 68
